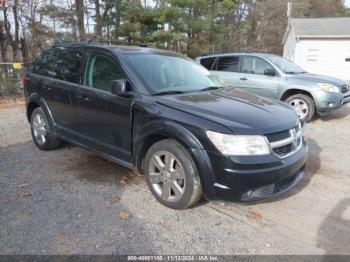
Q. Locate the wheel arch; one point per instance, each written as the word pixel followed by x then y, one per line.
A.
pixel 294 91
pixel 35 101
pixel 159 130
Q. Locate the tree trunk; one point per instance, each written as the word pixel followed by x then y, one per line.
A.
pixel 79 13
pixel 98 20
pixel 3 46
pixel 15 42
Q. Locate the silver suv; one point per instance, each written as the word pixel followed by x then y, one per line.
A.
pixel 273 76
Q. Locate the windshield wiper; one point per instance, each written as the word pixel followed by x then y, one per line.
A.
pixel 169 92
pixel 211 88
pixel 295 73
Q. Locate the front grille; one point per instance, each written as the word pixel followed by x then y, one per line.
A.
pixel 344 88
pixel 285 143
pixel 283 150
pixel 278 136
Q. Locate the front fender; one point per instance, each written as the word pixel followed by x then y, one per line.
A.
pixel 167 129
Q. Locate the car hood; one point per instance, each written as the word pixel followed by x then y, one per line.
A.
pixel 319 78
pixel 241 112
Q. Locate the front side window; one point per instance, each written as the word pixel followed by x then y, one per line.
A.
pixel 228 63
pixel 170 73
pixel 102 71
pixel 254 65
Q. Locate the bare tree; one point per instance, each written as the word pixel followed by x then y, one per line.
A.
pixel 79 13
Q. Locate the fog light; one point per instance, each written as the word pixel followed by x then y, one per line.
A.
pixel 331 105
pixel 249 193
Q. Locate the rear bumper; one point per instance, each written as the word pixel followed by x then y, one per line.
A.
pixel 248 179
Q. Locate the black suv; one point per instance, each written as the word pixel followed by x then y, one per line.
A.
pixel 158 112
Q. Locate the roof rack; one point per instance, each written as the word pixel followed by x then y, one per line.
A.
pixel 228 52
pixel 87 42
pixel 64 43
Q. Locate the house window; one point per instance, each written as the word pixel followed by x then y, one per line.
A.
pixel 312 55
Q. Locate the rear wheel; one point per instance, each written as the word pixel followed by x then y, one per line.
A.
pixel 303 105
pixel 42 137
pixel 171 175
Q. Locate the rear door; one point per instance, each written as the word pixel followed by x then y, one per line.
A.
pixel 253 79
pixel 227 69
pixel 104 120
pixel 56 73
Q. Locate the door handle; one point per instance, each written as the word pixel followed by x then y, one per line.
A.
pixel 84 98
pixel 244 78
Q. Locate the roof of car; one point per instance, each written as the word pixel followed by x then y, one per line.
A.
pixel 120 48
pixel 235 53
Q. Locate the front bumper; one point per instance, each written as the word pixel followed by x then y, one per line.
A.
pixel 326 101
pixel 247 179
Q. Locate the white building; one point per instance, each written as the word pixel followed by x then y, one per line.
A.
pixel 319 45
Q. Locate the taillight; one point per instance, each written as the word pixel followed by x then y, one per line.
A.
pixel 24 79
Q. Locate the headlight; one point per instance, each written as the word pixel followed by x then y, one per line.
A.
pixel 239 145
pixel 328 87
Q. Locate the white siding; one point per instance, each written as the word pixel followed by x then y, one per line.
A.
pixel 289 46
pixel 324 56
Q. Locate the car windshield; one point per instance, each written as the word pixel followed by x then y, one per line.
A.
pixel 285 65
pixel 170 74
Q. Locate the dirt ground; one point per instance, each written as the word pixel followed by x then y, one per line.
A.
pixel 70 201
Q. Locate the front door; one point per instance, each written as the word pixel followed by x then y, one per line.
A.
pixel 254 80
pixel 104 120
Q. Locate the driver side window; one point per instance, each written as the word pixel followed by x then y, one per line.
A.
pixel 254 65
pixel 101 71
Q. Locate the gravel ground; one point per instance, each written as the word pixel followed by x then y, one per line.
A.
pixel 70 201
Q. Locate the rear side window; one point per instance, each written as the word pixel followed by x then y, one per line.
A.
pixel 254 65
pixel 208 62
pixel 69 65
pixel 228 63
pixel 101 71
pixel 44 64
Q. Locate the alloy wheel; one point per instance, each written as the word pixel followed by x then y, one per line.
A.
pixel 39 129
pixel 167 176
pixel 300 107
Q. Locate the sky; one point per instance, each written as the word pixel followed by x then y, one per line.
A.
pixel 347 3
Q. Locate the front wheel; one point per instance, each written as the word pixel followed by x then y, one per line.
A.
pixel 171 175
pixel 303 105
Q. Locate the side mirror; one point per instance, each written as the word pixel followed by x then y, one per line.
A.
pixel 269 72
pixel 119 87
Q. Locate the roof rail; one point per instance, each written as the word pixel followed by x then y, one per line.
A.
pixel 63 43
pixel 87 42
pixel 123 43
pixel 228 52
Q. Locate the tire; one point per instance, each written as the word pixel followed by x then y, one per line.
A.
pixel 40 130
pixel 304 103
pixel 173 182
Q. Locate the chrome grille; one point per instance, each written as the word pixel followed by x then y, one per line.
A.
pixel 286 142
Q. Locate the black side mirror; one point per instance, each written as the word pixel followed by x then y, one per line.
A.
pixel 120 87
pixel 269 72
